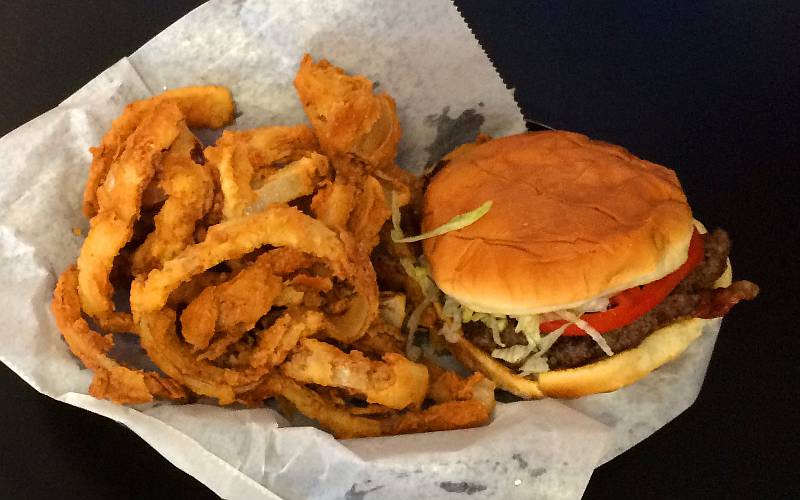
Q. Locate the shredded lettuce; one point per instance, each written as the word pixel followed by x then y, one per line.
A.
pixel 457 222
pixel 571 317
pixel 534 364
pixel 529 326
pixel 420 273
pixel 451 319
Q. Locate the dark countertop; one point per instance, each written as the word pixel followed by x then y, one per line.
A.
pixel 709 88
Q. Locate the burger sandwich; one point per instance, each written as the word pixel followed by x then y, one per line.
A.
pixel 583 272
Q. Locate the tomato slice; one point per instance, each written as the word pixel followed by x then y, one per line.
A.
pixel 633 303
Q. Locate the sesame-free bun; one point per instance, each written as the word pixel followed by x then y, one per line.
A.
pixel 571 219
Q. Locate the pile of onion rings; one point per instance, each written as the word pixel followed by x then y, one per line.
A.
pixel 245 267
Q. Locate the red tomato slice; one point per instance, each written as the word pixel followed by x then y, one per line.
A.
pixel 633 303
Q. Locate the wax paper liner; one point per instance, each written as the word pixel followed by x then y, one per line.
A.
pixel 424 55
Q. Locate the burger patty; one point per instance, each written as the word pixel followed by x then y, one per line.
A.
pixel 569 352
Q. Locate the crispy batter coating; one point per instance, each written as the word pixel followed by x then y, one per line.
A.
pixel 203 107
pixel 189 189
pixel 111 380
pixel 348 118
pixel 235 175
pixel 119 200
pixel 395 381
pixel 234 306
pixel 276 226
pixel 345 425
pixel 237 295
pixel 245 159
pixel 164 347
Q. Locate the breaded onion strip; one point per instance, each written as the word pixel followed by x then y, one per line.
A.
pixel 111 380
pixel 235 175
pixel 119 204
pixel 242 158
pixel 337 420
pixel 363 308
pixel 277 226
pixel 358 205
pixel 236 172
pixel 381 338
pixel 293 181
pixel 447 386
pixel 189 188
pixel 333 203
pixel 370 213
pixel 203 107
pixel 439 417
pixel 190 290
pixel 159 339
pixel 395 382
pixel 199 319
pixel 267 146
pixel 344 425
pixel 348 119
pixel 239 303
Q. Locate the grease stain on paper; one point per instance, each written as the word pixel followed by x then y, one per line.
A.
pixel 354 494
pixel 462 487
pixel 452 132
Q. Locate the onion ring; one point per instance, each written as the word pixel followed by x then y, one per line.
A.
pixel 277 226
pixel 159 339
pixel 112 380
pixel 395 382
pixel 293 181
pixel 239 303
pixel 203 107
pixel 235 175
pixel 349 120
pixel 188 187
pixel 119 203
pixel 345 425
pixel 267 146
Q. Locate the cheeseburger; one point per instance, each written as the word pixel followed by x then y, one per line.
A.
pixel 587 273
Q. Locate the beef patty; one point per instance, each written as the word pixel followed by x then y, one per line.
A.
pixel 568 352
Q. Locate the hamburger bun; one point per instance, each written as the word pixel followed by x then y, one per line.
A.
pixel 572 219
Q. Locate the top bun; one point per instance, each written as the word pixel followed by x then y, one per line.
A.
pixel 572 219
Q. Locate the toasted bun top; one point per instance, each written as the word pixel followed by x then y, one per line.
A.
pixel 572 219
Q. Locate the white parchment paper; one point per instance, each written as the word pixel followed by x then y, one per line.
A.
pixel 424 55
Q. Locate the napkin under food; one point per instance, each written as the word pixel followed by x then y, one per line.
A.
pixel 423 54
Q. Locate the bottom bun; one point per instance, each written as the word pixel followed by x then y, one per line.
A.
pixel 625 368
pixel 605 375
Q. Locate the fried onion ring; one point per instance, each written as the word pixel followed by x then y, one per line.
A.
pixel 395 382
pixel 235 175
pixel 203 107
pixel 238 304
pixel 345 425
pixel 277 226
pixel 119 203
pixel 159 339
pixel 189 188
pixel 293 181
pixel 267 146
pixel 348 119
pixel 112 380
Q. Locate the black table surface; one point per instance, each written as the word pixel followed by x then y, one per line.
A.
pixel 709 88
